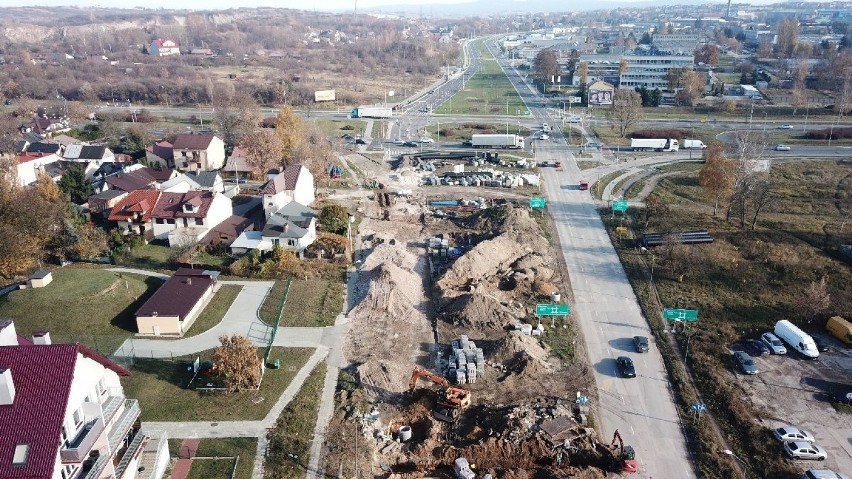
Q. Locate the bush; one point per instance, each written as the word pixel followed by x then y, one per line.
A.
pixel 829 134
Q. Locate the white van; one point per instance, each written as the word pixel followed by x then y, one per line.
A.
pixel 796 338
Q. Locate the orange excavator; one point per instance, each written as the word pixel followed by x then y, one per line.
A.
pixel 626 454
pixel 450 399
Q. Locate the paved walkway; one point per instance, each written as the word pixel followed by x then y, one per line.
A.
pixel 188 448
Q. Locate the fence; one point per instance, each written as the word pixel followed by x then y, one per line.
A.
pixel 277 321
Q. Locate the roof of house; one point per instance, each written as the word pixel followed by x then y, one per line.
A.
pixel 107 195
pixel 182 178
pixel 42 375
pixel 163 149
pixel 284 181
pixel 251 240
pixel 42 147
pixel 206 179
pixel 238 162
pixel 85 152
pixel 284 229
pixel 179 294
pixel 232 227
pixel 160 41
pixel 296 211
pixel 139 201
pixel 26 156
pixel 64 140
pixel 160 174
pixel 170 205
pixel 193 142
pixel 131 180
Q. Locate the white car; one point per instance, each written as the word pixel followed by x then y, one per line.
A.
pixel 775 344
pixel 782 147
pixel 823 474
pixel 785 127
pixel 805 450
pixel 544 136
pixel 790 433
pixel 397 141
pixel 426 140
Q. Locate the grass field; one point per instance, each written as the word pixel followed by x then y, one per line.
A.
pixel 160 387
pixel 290 439
pixel 228 449
pixel 92 306
pixel 488 92
pixel 155 256
pixel 215 309
pixel 743 282
pixel 463 131
pixel 311 303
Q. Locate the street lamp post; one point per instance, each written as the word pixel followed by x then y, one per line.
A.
pixel 729 452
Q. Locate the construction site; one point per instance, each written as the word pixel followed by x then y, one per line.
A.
pixel 452 374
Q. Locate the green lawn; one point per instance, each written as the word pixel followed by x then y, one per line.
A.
pixel 313 303
pixel 88 305
pixel 160 387
pixel 215 310
pixel 227 448
pixel 463 131
pixel 488 92
pixel 155 256
pixel 290 439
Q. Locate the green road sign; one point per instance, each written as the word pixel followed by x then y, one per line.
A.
pixel 551 309
pixel 537 202
pixel 681 314
pixel 619 205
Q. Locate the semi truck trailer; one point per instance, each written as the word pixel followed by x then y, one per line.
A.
pixel 497 141
pixel 652 144
pixel 372 112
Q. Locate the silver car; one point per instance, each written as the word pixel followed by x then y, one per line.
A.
pixel 794 434
pixel 805 450
pixel 775 344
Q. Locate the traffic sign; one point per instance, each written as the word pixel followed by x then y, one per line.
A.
pixel 527 113
pixel 574 99
pixel 551 309
pixel 621 229
pixel 697 406
pixel 690 315
pixel 619 205
pixel 537 202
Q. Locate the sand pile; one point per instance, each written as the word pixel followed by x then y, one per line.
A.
pixel 480 309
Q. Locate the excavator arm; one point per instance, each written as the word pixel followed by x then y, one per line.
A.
pixel 424 373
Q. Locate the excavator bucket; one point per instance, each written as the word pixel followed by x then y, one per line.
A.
pixel 628 459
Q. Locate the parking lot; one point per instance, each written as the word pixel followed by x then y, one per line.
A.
pixel 792 390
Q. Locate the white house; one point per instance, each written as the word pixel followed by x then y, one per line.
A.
pixel 90 155
pixel 292 227
pixel 185 218
pixel 63 414
pixel 197 152
pixel 163 48
pixel 198 180
pixel 30 164
pixel 295 183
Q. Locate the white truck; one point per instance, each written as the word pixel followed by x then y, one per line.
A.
pixel 497 141
pixel 372 112
pixel 693 145
pixel 796 338
pixel 654 144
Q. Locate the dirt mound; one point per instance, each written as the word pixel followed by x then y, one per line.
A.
pixel 480 309
pixel 509 347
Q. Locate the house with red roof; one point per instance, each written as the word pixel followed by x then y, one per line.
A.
pixel 163 47
pixel 186 217
pixel 160 155
pixel 133 213
pixel 63 414
pixel 30 164
pixel 198 152
pixel 172 309
pixel 295 183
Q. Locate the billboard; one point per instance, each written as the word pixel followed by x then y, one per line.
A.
pixel 324 95
pixel 600 97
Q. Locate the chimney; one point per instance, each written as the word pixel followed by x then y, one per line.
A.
pixel 7 387
pixel 41 337
pixel 189 281
pixel 8 336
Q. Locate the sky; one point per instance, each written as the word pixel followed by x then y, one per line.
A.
pixel 224 4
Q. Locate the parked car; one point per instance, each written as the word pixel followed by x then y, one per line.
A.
pixel 745 362
pixel 756 348
pixel 398 141
pixel 360 141
pixel 347 136
pixel 775 344
pixel 785 127
pixel 790 433
pixel 844 397
pixel 805 450
pixel 823 474
pixel 237 180
pixel 822 344
pixel 640 343
pixel 782 147
pixel 411 144
pixel 427 140
pixel 625 367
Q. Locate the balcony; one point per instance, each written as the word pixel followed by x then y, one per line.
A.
pixel 130 452
pixel 122 425
pixel 110 407
pixel 93 467
pixel 80 447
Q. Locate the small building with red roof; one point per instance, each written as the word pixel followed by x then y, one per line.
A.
pixel 163 47
pixel 133 212
pixel 186 218
pixel 30 164
pixel 172 309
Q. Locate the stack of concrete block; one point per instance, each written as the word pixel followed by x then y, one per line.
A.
pixel 461 376
pixel 471 373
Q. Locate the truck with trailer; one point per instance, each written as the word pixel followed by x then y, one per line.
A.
pixel 796 338
pixel 654 144
pixel 372 112
pixel 497 141
pixel 693 145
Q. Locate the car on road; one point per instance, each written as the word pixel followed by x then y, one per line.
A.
pixel 822 344
pixel 775 345
pixel 639 342
pixel 790 433
pixel 426 140
pixel 544 136
pixel 782 147
pixel 398 141
pixel 592 145
pixel 745 362
pixel 467 143
pixel 756 348
pixel 411 144
pixel 625 367
pixel 360 141
pixel 785 127
pixel 805 450
pixel 823 474
pixel 237 180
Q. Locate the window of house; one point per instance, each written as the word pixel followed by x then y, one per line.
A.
pixel 276 242
pixel 78 418
pixel 291 242
pixel 21 453
pixel 102 388
pixel 170 221
pixel 199 221
pixel 159 221
pixel 68 471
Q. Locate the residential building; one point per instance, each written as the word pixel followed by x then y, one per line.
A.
pixel 163 47
pixel 186 218
pixel 238 165
pixel 160 155
pixel 47 125
pixel 133 213
pixel 195 181
pixel 172 309
pixel 292 227
pixel 103 202
pixel 129 181
pixel 295 183
pixel 197 152
pixel 650 70
pixel 31 164
pixel 92 156
pixel 63 414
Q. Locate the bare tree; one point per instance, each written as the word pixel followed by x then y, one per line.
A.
pixel 760 192
pixel 787 38
pixel 546 66
pixel 236 116
pixel 717 175
pixel 237 360
pixel 626 110
pixel 655 207
pixel 264 149
pixel 815 300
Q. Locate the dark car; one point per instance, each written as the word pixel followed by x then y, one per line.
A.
pixel 347 136
pixel 411 144
pixel 640 343
pixel 745 362
pixel 756 348
pixel 625 367
pixel 467 143
pixel 844 397
pixel 822 344
pixel 360 141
